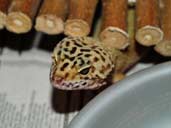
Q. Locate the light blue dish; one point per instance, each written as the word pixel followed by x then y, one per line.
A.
pixel 142 100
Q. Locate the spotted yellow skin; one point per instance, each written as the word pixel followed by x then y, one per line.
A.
pixel 80 63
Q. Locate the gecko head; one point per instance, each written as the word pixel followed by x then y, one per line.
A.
pixel 79 63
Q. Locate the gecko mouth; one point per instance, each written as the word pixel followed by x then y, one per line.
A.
pixel 60 83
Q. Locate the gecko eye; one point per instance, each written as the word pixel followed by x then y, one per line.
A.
pixel 84 71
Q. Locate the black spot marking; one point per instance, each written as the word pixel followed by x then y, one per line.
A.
pixel 80 54
pixel 77 86
pixel 66 49
pixel 73 50
pixel 86 78
pixel 100 49
pixel 64 66
pixel 59 53
pixel 87 55
pixel 70 58
pixel 104 53
pixel 84 83
pixel 81 61
pixel 66 56
pixel 102 57
pixel 67 43
pixel 75 62
pixel 85 50
pixel 96 59
pixel 85 71
pixel 88 62
pixel 77 44
pixel 84 43
pixel 97 51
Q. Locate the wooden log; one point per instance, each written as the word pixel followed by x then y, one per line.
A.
pixel 52 14
pixel 164 47
pixel 148 32
pixel 4 4
pixel 21 14
pixel 114 23
pixel 81 13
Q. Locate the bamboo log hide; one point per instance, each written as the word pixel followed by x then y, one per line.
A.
pixel 114 24
pixel 148 32
pixel 51 17
pixel 4 4
pixel 81 14
pixel 164 47
pixel 21 14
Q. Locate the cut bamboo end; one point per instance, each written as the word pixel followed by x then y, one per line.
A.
pixel 149 35
pixel 2 20
pixel 49 24
pixel 115 36
pixel 76 27
pixel 18 22
pixel 164 48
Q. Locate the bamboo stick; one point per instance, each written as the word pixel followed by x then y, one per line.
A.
pixel 80 18
pixel 128 58
pixel 164 47
pixel 114 23
pixel 4 4
pixel 52 14
pixel 21 14
pixel 147 22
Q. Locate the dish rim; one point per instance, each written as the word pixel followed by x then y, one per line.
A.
pixel 102 99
